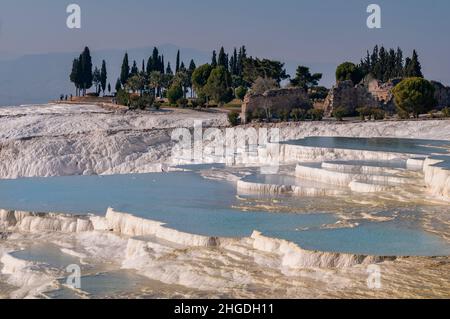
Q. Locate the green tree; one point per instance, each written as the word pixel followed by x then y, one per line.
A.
pixel 348 71
pixel 136 83
pixel 223 58
pixel 156 82
pixel 254 68
pixel 241 92
pixel 103 76
pixel 125 70
pixel 174 93
pixel 118 86
pixel 169 69
pixel 96 79
pixel 413 67
pixel 414 96
pixel 305 79
pixel 75 75
pixel 200 77
pixel 214 59
pixel 218 86
pixel 134 69
pixel 86 70
pixel 177 66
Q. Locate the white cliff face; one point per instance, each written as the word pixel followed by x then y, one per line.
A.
pixel 56 140
pixel 437 179
pixel 241 267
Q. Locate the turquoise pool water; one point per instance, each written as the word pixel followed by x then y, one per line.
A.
pixel 397 145
pixel 188 202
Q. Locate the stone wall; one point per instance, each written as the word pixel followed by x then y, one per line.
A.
pixel 275 100
pixel 351 97
pixel 442 95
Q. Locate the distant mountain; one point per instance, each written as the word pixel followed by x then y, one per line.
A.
pixel 42 77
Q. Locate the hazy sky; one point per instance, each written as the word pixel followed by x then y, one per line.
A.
pixel 325 31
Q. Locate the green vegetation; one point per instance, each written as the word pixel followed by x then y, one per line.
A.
pixel 240 92
pixel 229 77
pixel 384 65
pixel 304 78
pixel 233 118
pixel 414 96
pixel 370 113
pixel 349 71
pixel 339 113
pixel 446 111
pixel 174 93
pixel 81 74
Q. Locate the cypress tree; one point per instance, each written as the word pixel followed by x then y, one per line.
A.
pixel 86 69
pixel 118 85
pixel 223 59
pixel 169 69
pixel 192 66
pixel 415 69
pixel 125 71
pixel 214 59
pixel 177 66
pixel 75 76
pixel 399 63
pixel 134 69
pixel 162 66
pixel 103 76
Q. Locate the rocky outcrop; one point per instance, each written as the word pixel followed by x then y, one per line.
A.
pixel 276 101
pixel 442 95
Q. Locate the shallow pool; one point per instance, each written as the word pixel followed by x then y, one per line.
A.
pixel 188 202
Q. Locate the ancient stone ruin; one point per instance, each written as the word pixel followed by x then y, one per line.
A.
pixel 276 100
pixel 442 95
pixel 351 97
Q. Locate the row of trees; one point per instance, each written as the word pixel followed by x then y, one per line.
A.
pixel 84 78
pixel 381 64
pixel 227 76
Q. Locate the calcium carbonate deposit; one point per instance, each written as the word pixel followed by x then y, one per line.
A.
pixel 338 213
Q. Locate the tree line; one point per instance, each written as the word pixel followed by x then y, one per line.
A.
pixel 381 64
pixel 226 77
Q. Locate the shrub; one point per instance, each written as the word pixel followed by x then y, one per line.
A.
pixel 233 118
pixel 316 114
pixel 194 103
pixel 174 93
pixel 284 115
pixel 403 115
pixel 298 114
pixel 241 92
pixel 182 103
pixel 339 113
pixel 141 102
pixel 378 114
pixel 414 96
pixel 157 105
pixel 364 112
pixel 446 111
pixel 123 97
